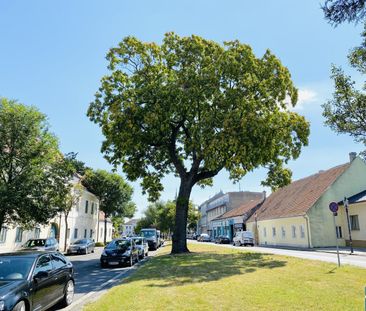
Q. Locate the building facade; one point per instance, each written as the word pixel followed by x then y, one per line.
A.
pixel 128 229
pixel 100 229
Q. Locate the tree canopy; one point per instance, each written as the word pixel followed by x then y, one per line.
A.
pixel 28 152
pixel 113 192
pixel 339 11
pixel 193 107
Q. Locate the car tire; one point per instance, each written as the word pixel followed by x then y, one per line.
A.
pixel 92 250
pixel 20 306
pixel 69 293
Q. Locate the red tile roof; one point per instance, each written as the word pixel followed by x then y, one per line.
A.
pixel 298 197
pixel 247 207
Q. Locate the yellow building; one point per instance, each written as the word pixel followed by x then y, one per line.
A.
pixel 298 215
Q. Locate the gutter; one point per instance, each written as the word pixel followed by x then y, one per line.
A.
pixel 308 230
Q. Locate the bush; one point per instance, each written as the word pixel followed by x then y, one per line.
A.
pixel 99 244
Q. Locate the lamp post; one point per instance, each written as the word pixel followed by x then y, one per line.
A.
pixel 345 202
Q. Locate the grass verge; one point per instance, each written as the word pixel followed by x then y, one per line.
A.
pixel 215 278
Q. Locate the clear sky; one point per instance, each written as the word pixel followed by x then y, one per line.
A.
pixel 52 55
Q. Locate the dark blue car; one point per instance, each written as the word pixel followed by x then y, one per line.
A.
pixel 35 280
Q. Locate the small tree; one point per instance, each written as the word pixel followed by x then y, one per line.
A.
pixel 28 152
pixel 113 192
pixel 339 11
pixel 193 107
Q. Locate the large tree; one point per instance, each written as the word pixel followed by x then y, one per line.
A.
pixel 113 192
pixel 28 152
pixel 339 11
pixel 193 107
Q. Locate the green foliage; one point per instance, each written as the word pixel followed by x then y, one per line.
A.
pixel 99 244
pixel 28 153
pixel 161 215
pixel 339 11
pixel 113 192
pixel 117 222
pixel 345 113
pixel 194 101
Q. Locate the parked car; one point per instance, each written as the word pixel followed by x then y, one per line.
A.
pixel 152 237
pixel 32 280
pixel 204 237
pixel 243 238
pixel 83 246
pixel 142 245
pixel 48 244
pixel 120 252
pixel 222 239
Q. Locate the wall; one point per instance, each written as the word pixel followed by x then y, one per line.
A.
pixel 280 240
pixel 100 236
pixel 351 182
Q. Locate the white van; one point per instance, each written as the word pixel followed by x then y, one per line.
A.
pixel 243 238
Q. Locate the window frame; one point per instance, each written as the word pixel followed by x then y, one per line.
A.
pixel 18 235
pixel 355 225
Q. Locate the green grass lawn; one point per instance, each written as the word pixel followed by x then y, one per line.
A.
pixel 215 278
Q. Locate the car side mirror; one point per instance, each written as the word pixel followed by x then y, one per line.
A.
pixel 40 275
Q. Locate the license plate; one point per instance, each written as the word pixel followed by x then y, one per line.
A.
pixel 114 263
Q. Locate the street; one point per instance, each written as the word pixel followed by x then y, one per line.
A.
pixel 324 254
pixel 91 280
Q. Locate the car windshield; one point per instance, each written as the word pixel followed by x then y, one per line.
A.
pixel 148 234
pixel 80 241
pixel 15 268
pixel 119 244
pixel 35 243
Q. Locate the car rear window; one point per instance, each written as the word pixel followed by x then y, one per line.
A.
pixel 15 268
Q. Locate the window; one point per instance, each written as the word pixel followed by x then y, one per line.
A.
pixel 264 232
pixel 354 222
pixel 3 233
pixel 293 231
pixel 68 233
pixel 302 231
pixel 19 235
pixel 92 208
pixel 101 232
pixel 43 264
pixel 86 206
pixel 273 231
pixel 85 233
pixel 58 261
pixel 37 233
pixel 339 232
pixel 91 233
pixel 283 232
pixel 75 233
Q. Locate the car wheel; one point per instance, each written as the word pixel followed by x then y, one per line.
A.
pixel 20 306
pixel 69 293
pixel 92 250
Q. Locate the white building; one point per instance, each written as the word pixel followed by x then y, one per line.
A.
pixel 100 229
pixel 128 229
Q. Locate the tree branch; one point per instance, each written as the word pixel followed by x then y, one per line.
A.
pixel 173 152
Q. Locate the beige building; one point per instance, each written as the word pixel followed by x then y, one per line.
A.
pixel 100 229
pixel 298 215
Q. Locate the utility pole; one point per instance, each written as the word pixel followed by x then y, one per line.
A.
pixel 345 202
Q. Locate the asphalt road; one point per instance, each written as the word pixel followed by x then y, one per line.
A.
pixel 324 254
pixel 91 280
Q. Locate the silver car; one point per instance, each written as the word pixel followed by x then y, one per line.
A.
pixel 48 244
pixel 142 246
pixel 83 246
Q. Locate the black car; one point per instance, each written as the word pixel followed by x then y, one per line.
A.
pixel 83 246
pixel 120 252
pixel 35 280
pixel 222 239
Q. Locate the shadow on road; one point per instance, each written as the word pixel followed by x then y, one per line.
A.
pixel 176 270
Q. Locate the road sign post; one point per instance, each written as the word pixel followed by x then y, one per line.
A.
pixel 333 206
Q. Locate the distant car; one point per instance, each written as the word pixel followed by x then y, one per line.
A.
pixel 120 252
pixel 243 238
pixel 33 280
pixel 48 244
pixel 222 239
pixel 142 245
pixel 152 237
pixel 83 246
pixel 204 237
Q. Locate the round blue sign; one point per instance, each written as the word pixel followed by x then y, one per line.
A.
pixel 333 206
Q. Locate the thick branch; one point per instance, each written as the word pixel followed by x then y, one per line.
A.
pixel 173 152
pixel 206 174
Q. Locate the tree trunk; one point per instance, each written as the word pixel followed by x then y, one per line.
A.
pixel 181 214
pixel 105 229
pixel 66 227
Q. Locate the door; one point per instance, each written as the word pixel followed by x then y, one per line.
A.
pixel 60 274
pixel 43 283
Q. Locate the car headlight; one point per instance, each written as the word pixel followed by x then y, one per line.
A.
pixel 103 254
pixel 127 253
pixel 2 305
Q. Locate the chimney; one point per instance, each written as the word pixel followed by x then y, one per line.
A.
pixel 352 156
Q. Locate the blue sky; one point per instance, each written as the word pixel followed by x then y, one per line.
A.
pixel 52 55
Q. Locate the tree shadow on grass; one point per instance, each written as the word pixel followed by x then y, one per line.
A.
pixel 178 270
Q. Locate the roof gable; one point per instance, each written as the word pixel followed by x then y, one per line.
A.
pixel 247 207
pixel 298 197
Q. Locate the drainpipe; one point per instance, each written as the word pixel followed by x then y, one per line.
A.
pixel 308 230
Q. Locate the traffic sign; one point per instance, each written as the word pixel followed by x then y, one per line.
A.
pixel 333 206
